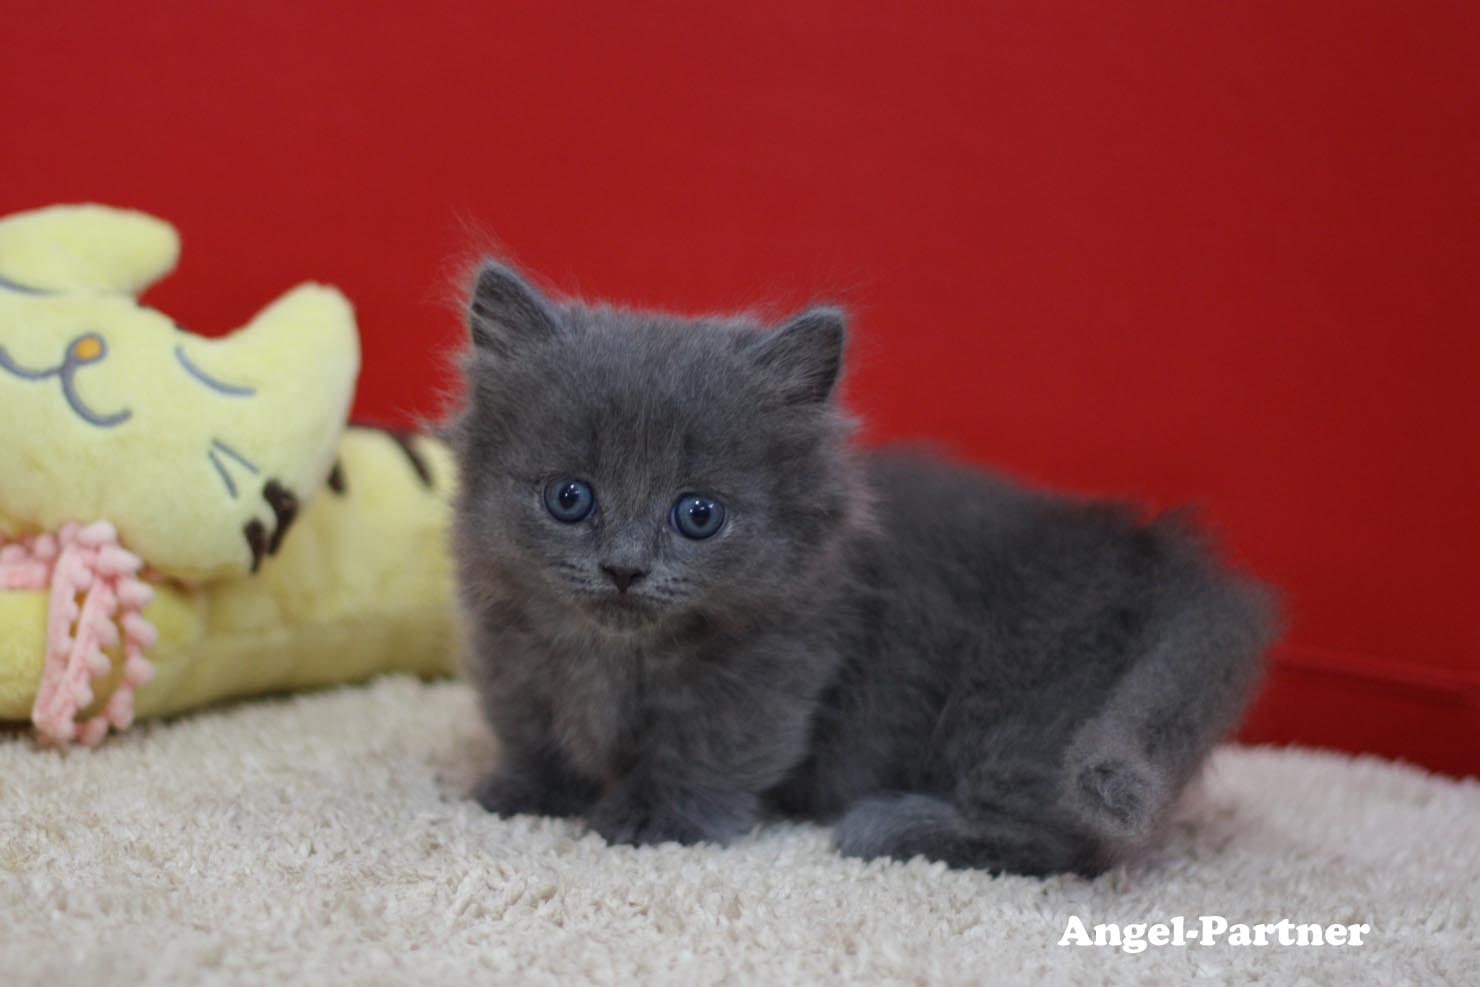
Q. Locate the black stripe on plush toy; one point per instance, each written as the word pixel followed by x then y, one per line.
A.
pixel 284 506
pixel 403 438
pixel 256 534
pixel 418 463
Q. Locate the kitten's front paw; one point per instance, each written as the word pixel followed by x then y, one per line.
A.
pixel 506 794
pixel 639 826
pixel 633 816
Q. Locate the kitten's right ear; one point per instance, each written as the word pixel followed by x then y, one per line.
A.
pixel 506 311
pixel 805 354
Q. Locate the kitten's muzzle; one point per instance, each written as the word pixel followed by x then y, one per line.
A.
pixel 623 576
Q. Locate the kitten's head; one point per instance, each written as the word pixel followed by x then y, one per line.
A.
pixel 633 469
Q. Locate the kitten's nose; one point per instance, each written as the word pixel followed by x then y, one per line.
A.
pixel 623 576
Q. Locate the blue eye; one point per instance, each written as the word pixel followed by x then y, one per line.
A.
pixel 697 516
pixel 569 500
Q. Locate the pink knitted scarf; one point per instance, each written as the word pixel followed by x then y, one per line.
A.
pixel 96 597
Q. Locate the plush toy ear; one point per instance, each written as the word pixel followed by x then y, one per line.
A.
pixel 506 312
pixel 85 248
pixel 804 355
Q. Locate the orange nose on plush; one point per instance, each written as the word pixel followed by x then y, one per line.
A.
pixel 87 348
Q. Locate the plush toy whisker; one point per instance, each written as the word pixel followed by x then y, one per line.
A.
pixel 96 599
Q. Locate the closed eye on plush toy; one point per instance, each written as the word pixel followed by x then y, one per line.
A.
pixel 214 383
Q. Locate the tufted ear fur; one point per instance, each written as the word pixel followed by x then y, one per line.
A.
pixel 804 355
pixel 506 312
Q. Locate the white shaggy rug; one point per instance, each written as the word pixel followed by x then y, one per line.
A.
pixel 324 840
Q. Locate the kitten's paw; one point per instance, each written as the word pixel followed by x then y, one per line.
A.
pixel 506 795
pixel 898 825
pixel 1121 798
pixel 635 817
pixel 639 827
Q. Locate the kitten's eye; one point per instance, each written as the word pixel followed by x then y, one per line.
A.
pixel 569 500
pixel 697 516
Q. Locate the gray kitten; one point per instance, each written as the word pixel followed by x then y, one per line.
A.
pixel 691 602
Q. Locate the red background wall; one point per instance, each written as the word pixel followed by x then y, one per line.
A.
pixel 1183 251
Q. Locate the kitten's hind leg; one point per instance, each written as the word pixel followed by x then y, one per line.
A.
pixel 902 825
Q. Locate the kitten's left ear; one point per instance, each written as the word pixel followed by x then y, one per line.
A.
pixel 805 354
pixel 506 311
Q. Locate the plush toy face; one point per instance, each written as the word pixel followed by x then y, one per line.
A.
pixel 197 450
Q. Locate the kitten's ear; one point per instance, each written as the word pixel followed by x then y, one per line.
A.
pixel 506 311
pixel 804 355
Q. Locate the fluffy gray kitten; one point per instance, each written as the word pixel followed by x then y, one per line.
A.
pixel 691 603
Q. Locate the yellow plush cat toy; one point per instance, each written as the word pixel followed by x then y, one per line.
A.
pixel 167 537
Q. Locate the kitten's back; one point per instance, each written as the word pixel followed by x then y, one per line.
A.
pixel 986 621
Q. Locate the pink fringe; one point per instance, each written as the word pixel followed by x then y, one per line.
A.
pixel 96 599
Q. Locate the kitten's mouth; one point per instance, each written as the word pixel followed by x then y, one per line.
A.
pixel 622 610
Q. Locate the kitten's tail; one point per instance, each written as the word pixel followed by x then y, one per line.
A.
pixel 902 825
pixel 1203 659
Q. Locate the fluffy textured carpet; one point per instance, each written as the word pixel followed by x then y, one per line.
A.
pixel 324 839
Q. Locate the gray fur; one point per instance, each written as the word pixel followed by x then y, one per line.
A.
pixel 942 661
